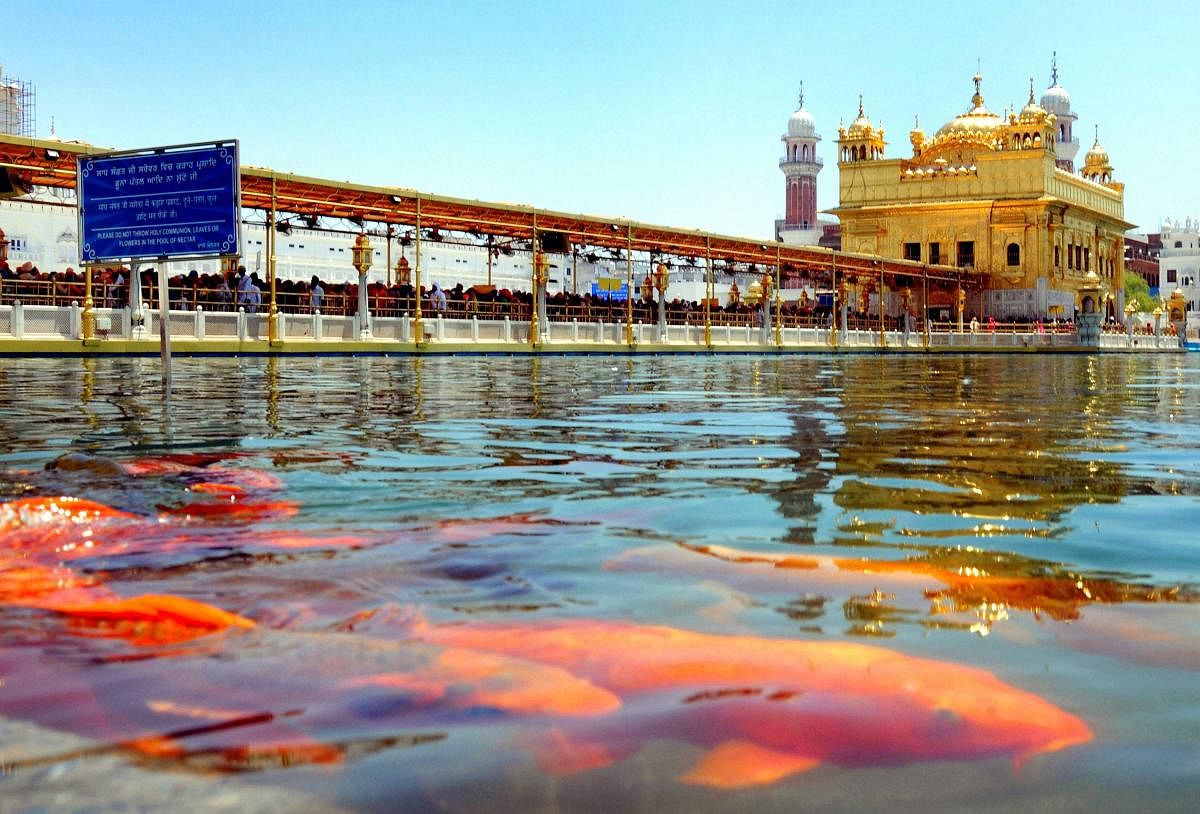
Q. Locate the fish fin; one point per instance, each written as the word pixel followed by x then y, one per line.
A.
pixel 734 764
pixel 151 618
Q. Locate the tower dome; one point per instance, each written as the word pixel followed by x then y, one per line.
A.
pixel 801 123
pixel 1056 100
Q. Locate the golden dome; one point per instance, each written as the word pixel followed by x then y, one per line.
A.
pixel 861 127
pixel 978 125
pixel 1097 156
pixel 1033 112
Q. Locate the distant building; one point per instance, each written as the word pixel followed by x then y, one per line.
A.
pixel 994 195
pixel 1141 257
pixel 1179 264
pixel 800 166
pixel 831 236
pixel 16 106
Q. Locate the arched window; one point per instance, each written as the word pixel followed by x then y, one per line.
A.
pixel 804 152
pixel 1062 132
pixel 1179 244
pixel 1014 254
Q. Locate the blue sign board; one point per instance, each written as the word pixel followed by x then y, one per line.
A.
pixel 620 294
pixel 171 202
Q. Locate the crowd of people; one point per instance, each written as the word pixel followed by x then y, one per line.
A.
pixel 246 290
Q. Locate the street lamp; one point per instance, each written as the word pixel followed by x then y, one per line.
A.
pixel 361 259
pixel 662 279
pixel 764 287
pixel 1130 310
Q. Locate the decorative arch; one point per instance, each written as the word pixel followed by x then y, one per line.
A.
pixel 1014 254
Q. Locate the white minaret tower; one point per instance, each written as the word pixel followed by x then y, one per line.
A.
pixel 800 166
pixel 1057 101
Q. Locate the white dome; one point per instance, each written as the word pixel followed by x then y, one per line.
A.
pixel 801 123
pixel 1056 100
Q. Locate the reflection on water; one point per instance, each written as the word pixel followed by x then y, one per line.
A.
pixel 603 584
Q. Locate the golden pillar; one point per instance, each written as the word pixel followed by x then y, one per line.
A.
pixel 778 299
pixel 535 256
pixel 272 311
pixel 708 292
pixel 882 311
pixel 418 336
pixel 89 316
pixel 924 307
pixel 629 287
pixel 834 305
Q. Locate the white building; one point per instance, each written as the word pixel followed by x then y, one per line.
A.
pixel 1179 265
pixel 42 229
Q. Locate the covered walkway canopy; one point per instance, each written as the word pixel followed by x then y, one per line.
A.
pixel 27 162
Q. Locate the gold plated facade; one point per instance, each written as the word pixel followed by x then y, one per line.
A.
pixel 984 193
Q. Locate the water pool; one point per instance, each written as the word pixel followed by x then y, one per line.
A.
pixel 734 583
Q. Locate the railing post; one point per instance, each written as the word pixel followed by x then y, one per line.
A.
pixel 241 324
pixel 75 322
pixel 199 322
pixel 18 319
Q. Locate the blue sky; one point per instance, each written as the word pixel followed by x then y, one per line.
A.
pixel 663 112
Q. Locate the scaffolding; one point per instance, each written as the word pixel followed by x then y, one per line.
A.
pixel 18 106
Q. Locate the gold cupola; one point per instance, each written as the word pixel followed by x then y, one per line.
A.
pixel 861 141
pixel 1096 166
pixel 1032 129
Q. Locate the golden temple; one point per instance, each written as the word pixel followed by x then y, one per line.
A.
pixel 987 193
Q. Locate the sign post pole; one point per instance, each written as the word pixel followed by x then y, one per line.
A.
pixel 164 326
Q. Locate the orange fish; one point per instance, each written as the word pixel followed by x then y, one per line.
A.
pixel 768 708
pixel 289 698
pixel 53 529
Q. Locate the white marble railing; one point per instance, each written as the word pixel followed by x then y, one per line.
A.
pixel 43 322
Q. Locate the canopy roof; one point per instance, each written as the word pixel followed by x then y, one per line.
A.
pixel 52 163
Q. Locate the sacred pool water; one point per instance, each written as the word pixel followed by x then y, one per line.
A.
pixel 602 584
